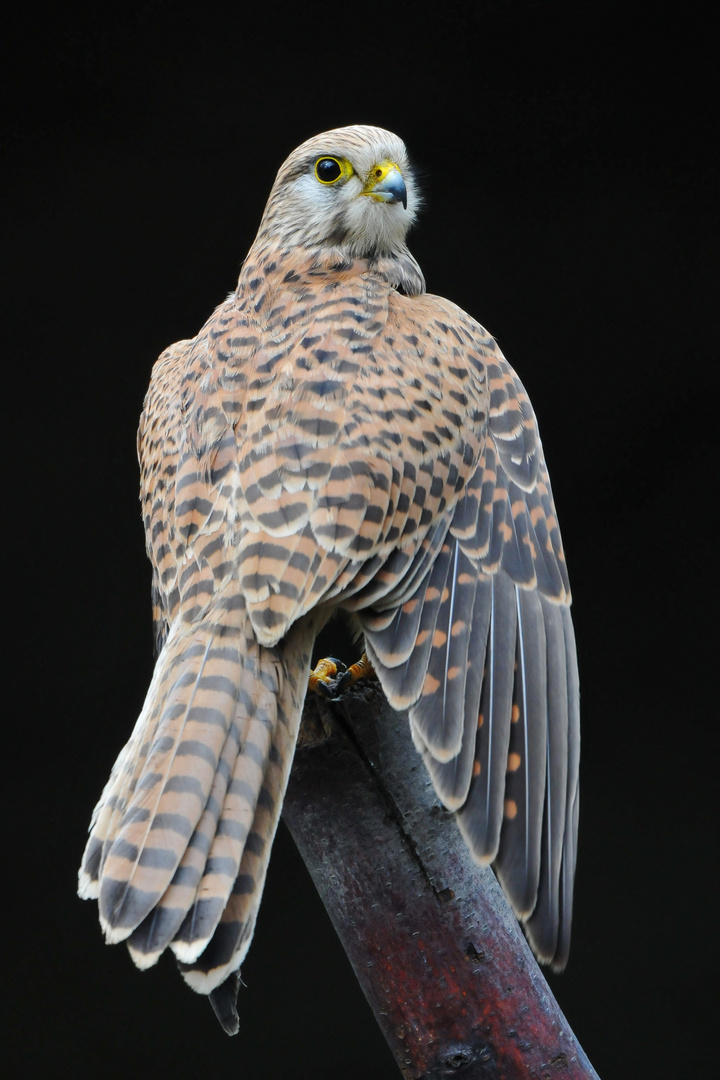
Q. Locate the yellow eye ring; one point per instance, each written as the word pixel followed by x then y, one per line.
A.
pixel 328 170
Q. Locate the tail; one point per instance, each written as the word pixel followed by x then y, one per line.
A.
pixel 180 840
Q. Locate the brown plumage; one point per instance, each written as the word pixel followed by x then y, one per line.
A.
pixel 335 437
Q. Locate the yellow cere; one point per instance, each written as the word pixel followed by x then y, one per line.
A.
pixel 377 174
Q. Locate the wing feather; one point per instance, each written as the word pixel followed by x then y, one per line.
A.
pixel 519 854
pixel 438 717
pixel 480 818
pixel 452 778
pixel 493 706
pixel 403 680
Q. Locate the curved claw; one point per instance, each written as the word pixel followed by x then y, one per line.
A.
pixel 363 669
pixel 343 683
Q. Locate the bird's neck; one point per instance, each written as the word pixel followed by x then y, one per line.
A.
pixel 270 270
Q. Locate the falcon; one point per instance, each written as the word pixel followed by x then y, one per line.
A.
pixel 337 439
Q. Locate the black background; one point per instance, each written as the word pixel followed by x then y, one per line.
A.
pixel 564 151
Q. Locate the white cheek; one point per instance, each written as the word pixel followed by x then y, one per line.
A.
pixel 373 223
pixel 309 189
pixel 315 206
pixel 312 196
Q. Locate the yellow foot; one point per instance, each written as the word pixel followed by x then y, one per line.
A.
pixel 324 676
pixel 362 670
pixel 331 678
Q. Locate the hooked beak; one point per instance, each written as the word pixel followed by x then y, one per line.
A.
pixel 385 184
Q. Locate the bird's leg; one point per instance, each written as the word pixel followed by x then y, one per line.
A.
pixel 363 669
pixel 330 677
pixel 324 676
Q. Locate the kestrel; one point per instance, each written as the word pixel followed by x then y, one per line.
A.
pixel 337 438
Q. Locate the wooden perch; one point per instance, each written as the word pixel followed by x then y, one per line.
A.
pixel 434 944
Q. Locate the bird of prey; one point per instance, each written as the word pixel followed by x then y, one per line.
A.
pixel 336 438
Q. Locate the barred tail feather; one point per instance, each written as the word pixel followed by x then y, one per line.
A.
pixel 113 802
pixel 206 970
pixel 186 822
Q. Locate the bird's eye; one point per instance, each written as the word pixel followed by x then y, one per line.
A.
pixel 328 170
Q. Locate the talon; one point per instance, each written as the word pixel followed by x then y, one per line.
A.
pixel 322 678
pixel 363 669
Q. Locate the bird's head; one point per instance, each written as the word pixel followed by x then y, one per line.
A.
pixel 350 190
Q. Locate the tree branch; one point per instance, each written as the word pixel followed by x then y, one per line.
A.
pixel 434 944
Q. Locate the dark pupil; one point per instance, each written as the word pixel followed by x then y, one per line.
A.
pixel 328 170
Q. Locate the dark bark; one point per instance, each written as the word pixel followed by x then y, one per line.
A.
pixel 438 953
